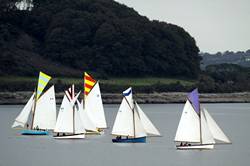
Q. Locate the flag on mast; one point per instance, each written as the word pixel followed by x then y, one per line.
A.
pixel 42 82
pixel 89 83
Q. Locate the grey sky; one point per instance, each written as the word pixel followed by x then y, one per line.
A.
pixel 217 25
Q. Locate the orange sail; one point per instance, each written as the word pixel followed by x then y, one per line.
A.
pixel 89 83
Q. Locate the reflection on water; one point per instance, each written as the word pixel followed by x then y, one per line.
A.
pixel 234 119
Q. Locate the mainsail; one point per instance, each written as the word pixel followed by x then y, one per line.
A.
pixel 189 126
pixel 94 107
pixel 45 116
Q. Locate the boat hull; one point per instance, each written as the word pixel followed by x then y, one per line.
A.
pixel 75 136
pixel 198 147
pixel 34 132
pixel 94 133
pixel 129 140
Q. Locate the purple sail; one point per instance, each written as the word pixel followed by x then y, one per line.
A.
pixel 193 97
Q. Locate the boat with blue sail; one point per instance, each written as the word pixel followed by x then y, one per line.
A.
pixel 131 124
pixel 39 114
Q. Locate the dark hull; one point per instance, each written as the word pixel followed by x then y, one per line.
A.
pixel 129 140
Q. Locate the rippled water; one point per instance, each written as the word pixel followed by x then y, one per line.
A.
pixel 234 119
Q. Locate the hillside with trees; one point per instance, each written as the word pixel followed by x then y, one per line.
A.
pixel 241 58
pixel 104 37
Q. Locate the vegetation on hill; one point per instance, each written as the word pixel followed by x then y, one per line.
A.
pixel 240 58
pixel 225 78
pixel 65 37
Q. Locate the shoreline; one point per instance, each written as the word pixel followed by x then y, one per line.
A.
pixel 21 97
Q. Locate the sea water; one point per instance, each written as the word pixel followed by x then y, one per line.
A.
pixel 234 119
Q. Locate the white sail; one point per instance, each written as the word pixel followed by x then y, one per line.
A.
pixel 189 126
pixel 124 120
pixel 206 135
pixel 64 121
pixel 127 124
pixel 45 113
pixel 216 131
pixel 79 127
pixel 94 107
pixel 138 126
pixel 88 124
pixel 147 124
pixel 23 117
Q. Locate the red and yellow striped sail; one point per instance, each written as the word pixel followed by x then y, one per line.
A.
pixel 89 83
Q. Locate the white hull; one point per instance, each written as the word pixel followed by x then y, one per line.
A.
pixel 192 147
pixel 77 136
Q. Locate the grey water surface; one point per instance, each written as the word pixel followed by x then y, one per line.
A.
pixel 234 119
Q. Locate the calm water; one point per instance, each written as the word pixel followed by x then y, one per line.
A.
pixel 234 119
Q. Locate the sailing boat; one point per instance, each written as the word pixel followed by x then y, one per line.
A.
pixel 197 129
pixel 131 123
pixel 43 108
pixel 93 109
pixel 69 123
pixel 88 124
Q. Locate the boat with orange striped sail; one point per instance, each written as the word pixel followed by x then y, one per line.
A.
pixel 42 107
pixel 92 113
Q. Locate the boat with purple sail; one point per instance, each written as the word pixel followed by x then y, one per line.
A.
pixel 197 129
pixel 131 124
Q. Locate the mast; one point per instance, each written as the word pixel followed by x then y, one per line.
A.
pixel 134 118
pixel 200 123
pixel 74 119
pixel 33 111
pixel 132 109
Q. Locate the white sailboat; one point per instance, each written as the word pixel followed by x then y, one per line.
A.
pixel 90 127
pixel 43 109
pixel 198 130
pixel 69 124
pixel 93 106
pixel 131 124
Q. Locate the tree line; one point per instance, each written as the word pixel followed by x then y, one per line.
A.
pixel 100 36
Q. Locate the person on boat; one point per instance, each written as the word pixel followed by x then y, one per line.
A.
pixel 57 134
pixel 63 134
pixel 181 144
pixel 118 137
pixel 27 125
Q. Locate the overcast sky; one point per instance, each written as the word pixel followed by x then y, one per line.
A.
pixel 216 25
